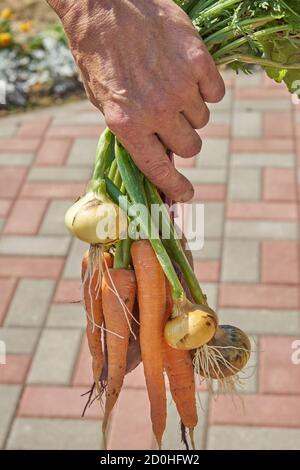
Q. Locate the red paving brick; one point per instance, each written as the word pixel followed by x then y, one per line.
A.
pixel 207 270
pixel 278 124
pixel 5 205
pixel 279 184
pixel 262 145
pixel 33 128
pixel 261 93
pixel 131 423
pixel 53 190
pixel 26 216
pixel 184 162
pixel 262 211
pixel 215 130
pixel 7 287
pixel 56 402
pixel 278 373
pixel 259 296
pixel 11 180
pixel 209 192
pixel 19 145
pixel 68 291
pixel 35 267
pixel 280 262
pixel 53 152
pixel 135 379
pixel 258 410
pixel 83 368
pixel 15 370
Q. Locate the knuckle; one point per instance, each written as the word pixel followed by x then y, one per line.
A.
pixel 159 107
pixel 119 122
pixel 158 170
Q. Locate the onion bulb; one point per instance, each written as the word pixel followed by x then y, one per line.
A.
pixel 194 326
pixel 230 351
pixel 96 220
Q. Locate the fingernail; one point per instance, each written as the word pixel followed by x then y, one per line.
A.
pixel 187 195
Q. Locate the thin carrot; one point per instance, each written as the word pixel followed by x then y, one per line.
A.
pixel 179 368
pixel 118 297
pixel 152 303
pixel 94 313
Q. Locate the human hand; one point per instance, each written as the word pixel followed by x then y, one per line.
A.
pixel 145 67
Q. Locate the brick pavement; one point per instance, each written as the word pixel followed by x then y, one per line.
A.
pixel 248 177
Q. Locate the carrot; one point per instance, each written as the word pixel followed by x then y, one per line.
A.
pixel 152 303
pixel 94 313
pixel 180 371
pixel 118 323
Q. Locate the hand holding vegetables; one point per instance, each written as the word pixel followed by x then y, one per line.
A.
pixel 177 335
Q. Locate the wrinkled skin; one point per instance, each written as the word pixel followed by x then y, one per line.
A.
pixel 145 66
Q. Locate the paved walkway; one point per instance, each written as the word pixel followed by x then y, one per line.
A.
pixel 247 178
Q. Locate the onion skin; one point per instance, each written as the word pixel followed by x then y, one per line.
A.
pixel 192 329
pixel 237 355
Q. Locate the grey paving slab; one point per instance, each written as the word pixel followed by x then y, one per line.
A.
pixel 224 105
pixel 83 152
pixel 16 159
pixel 205 176
pixel 54 174
pixel 73 263
pixel 9 396
pixel 262 321
pixel 55 356
pixel 34 246
pixel 210 251
pixel 241 261
pixel 245 184
pixel 30 303
pixel 53 223
pixel 54 434
pixel 214 153
pixel 252 438
pixel 211 290
pixel 67 315
pixel 19 340
pixel 263 160
pixel 262 104
pixel 261 230
pixel 213 220
pixel 247 124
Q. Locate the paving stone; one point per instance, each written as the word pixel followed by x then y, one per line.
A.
pixel 261 160
pixel 278 124
pixel 252 295
pixel 262 105
pixel 207 270
pixel 211 291
pixel 279 365
pixel 213 220
pixel 53 152
pixel 214 152
pixel 68 291
pixel 75 131
pixel 83 152
pixel 34 246
pixel 244 184
pixel 16 159
pixel 7 287
pixel 27 266
pixel 9 396
pixel 11 180
pixel 82 374
pixel 48 366
pixel 224 105
pixel 19 145
pixel 25 217
pixel 7 129
pixel 252 438
pixel 19 340
pixel 248 81
pixel 240 261
pixel 73 263
pixel 210 251
pixel 34 127
pixel 172 436
pixel 54 434
pixel 262 321
pixel 30 303
pixel 59 174
pixel 263 145
pixel 206 176
pixel 5 205
pixel 258 410
pixel 280 262
pixel 221 117
pixel 279 184
pixel 247 124
pixel 15 370
pixel 262 210
pixel 53 223
pixel 79 118
pixel 53 190
pixel 261 230
pixel 65 315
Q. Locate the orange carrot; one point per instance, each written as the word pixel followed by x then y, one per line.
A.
pixel 94 313
pixel 179 368
pixel 118 323
pixel 152 303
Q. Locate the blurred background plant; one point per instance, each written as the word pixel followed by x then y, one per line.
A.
pixel 35 61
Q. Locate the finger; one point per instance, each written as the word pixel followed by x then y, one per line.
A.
pixel 151 158
pixel 197 113
pixel 211 84
pixel 179 136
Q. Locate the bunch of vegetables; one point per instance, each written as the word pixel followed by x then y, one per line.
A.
pixel 143 301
